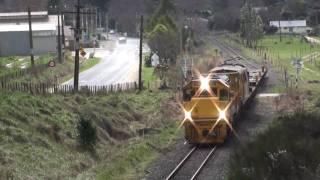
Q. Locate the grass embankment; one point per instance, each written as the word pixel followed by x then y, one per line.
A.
pixel 289 149
pixel 206 57
pixel 38 135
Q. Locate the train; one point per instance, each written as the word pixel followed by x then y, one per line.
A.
pixel 213 102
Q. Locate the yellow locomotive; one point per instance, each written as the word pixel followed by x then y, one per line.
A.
pixel 213 102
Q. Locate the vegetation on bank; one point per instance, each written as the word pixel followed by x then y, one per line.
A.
pixel 49 75
pixel 14 63
pixel 288 149
pixel 40 138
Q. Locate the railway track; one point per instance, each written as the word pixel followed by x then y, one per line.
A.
pixel 234 55
pixel 192 164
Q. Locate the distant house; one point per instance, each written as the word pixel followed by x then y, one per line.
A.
pixel 155 60
pixel 14 33
pixel 296 26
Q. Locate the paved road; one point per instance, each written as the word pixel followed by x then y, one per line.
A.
pixel 119 65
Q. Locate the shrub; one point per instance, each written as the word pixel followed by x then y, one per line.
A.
pixel 148 60
pixel 289 149
pixel 270 30
pixel 87 133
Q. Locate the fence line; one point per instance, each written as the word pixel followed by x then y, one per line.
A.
pixel 42 89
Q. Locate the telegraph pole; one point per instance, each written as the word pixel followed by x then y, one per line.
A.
pixel 30 38
pixel 140 55
pixel 63 35
pixel 59 40
pixel 77 48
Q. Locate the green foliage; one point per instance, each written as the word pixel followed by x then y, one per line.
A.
pixel 163 37
pixel 161 16
pixel 148 60
pixel 289 149
pixel 87 133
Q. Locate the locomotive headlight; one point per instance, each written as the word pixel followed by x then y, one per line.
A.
pixel 222 115
pixel 188 115
pixel 204 86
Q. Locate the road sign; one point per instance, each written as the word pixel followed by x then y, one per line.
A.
pixel 83 53
pixel 52 63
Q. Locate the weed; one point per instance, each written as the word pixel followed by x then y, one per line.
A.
pixel 289 149
pixel 87 133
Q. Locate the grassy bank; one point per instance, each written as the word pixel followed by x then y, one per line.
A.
pixel 289 149
pixel 39 139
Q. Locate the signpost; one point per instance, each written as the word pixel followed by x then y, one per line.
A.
pixel 52 63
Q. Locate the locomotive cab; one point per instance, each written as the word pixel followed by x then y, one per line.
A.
pixel 214 105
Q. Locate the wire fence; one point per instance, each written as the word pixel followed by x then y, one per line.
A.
pixel 43 89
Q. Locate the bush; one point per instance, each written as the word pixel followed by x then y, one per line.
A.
pixel 289 149
pixel 147 60
pixel 270 30
pixel 87 133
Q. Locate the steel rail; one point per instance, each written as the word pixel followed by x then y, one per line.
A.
pixel 204 163
pixel 185 159
pixel 182 162
pixel 228 48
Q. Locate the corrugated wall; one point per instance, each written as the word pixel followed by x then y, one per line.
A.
pixel 17 43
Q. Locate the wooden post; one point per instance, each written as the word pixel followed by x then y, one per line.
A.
pixel 77 49
pixel 30 38
pixel 59 40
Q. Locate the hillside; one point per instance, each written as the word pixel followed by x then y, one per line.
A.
pixel 39 137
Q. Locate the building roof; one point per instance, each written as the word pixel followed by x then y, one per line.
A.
pixel 22 15
pixel 48 25
pixel 296 23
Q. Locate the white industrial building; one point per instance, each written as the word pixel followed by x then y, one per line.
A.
pixel 292 27
pixel 14 33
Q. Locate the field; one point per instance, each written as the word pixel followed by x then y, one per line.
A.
pixel 282 54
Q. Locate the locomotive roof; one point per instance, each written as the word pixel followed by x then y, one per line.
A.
pixel 231 68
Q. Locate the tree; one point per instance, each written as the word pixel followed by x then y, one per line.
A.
pixel 251 27
pixel 163 38
pixel 163 41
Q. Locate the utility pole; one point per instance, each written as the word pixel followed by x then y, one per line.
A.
pixel 30 38
pixel 77 49
pixel 63 35
pixel 140 55
pixel 59 40
pixel 107 26
pixel 280 32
